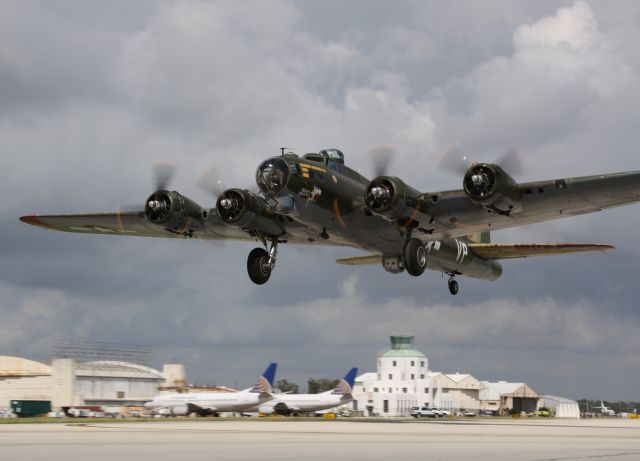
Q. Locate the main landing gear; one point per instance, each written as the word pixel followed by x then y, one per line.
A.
pixel 415 257
pixel 415 262
pixel 261 263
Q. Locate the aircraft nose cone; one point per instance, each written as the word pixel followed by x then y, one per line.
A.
pixel 272 175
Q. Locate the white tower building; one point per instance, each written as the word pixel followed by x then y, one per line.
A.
pixel 401 382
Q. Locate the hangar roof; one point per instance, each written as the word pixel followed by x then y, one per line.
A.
pixel 115 369
pixel 17 366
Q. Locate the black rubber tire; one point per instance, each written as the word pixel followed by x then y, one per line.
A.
pixel 415 257
pixel 257 268
pixel 453 287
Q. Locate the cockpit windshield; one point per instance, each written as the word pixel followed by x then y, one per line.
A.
pixel 333 154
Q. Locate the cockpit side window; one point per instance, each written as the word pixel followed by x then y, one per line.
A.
pixel 315 158
pixel 335 158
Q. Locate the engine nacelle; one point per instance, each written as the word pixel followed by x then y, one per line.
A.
pixel 455 256
pixel 266 410
pixel 240 208
pixel 488 185
pixel 395 265
pixel 172 210
pixel 177 410
pixel 390 197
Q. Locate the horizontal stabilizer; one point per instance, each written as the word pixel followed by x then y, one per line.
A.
pixel 525 250
pixel 360 260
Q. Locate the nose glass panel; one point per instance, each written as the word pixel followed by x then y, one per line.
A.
pixel 272 175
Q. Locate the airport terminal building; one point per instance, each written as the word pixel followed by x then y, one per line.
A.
pixel 403 380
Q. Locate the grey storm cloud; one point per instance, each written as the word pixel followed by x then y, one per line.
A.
pixel 92 94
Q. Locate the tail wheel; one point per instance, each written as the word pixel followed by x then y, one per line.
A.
pixel 258 266
pixel 453 287
pixel 415 257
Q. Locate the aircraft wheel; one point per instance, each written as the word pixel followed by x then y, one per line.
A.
pixel 453 287
pixel 415 257
pixel 258 266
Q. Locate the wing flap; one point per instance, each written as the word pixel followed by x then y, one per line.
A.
pixel 525 250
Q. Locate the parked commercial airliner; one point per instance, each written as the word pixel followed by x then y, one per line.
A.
pixel 289 404
pixel 207 403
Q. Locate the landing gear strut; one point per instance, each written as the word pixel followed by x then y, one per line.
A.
pixel 453 285
pixel 261 263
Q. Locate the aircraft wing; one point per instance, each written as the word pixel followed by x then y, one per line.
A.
pixel 499 251
pixel 452 214
pixel 134 223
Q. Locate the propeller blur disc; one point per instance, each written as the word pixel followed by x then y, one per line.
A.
pixel 454 160
pixel 381 157
pixel 163 174
pixel 211 183
pixel 511 162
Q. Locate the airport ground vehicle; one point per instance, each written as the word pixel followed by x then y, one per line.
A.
pixel 423 412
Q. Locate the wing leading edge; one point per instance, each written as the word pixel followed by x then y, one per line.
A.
pixel 134 223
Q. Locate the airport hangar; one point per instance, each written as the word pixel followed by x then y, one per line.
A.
pixel 67 382
pixel 403 380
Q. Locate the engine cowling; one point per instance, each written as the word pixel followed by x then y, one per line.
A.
pixel 266 410
pixel 172 210
pixel 176 410
pixel 488 185
pixel 390 197
pixel 240 208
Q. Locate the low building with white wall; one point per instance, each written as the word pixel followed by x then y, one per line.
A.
pixel 400 382
pixel 455 391
pixel 561 407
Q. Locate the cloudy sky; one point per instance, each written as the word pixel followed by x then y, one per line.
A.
pixel 93 93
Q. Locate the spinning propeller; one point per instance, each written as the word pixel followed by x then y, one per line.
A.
pixel 454 160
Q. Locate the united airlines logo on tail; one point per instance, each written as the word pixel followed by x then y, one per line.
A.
pixel 345 385
pixel 342 388
pixel 265 382
pixel 261 386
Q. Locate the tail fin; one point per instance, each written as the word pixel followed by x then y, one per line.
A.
pixel 265 382
pixel 345 385
pixel 480 237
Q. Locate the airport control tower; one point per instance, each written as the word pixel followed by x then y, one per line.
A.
pixel 402 362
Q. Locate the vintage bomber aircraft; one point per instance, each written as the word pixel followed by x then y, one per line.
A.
pixel 317 199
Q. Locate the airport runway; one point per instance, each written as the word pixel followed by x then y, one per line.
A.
pixel 324 440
